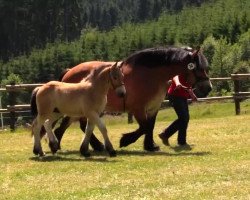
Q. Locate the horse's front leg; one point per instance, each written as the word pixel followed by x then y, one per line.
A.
pixel 84 149
pixel 146 126
pixel 36 128
pixel 59 132
pixel 149 144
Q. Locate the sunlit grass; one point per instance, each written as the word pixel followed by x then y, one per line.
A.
pixel 217 167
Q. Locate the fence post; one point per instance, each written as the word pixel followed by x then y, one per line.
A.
pixel 236 100
pixel 12 102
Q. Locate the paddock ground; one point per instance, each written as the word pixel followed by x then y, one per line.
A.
pixel 217 166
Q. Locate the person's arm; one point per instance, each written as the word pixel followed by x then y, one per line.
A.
pixel 192 95
pixel 177 82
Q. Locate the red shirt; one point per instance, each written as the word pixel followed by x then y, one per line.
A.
pixel 179 92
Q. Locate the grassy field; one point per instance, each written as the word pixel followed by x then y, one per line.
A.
pixel 217 167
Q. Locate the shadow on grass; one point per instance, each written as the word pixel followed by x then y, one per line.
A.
pixel 74 156
pixel 162 153
pixel 64 156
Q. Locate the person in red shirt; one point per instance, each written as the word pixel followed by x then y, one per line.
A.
pixel 178 93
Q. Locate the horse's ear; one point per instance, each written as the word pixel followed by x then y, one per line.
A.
pixel 195 52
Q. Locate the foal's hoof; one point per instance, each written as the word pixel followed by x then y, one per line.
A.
pixel 112 153
pixel 38 152
pixel 53 147
pixel 84 152
pixel 152 148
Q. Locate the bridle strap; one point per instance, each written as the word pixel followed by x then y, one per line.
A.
pixel 111 81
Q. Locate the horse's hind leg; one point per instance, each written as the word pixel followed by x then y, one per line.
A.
pixel 59 132
pixel 36 128
pixel 94 142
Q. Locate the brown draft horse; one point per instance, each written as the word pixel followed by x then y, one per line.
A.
pixel 87 99
pixel 145 75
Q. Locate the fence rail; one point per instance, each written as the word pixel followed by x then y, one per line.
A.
pixel 237 96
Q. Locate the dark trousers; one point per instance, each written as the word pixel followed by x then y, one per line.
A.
pixel 180 105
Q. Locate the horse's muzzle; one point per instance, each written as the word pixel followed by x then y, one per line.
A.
pixel 203 88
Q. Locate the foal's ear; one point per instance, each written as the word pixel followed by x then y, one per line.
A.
pixel 114 65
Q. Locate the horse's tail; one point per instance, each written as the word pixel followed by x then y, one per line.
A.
pixel 63 73
pixel 33 102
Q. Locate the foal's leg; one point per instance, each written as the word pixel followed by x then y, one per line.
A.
pixel 53 142
pixel 84 149
pixel 36 128
pixel 108 145
pixel 94 142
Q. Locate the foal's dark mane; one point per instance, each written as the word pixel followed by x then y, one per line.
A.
pixel 154 57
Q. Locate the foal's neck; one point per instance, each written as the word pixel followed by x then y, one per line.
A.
pixel 101 81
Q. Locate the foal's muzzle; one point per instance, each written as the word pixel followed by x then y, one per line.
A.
pixel 120 91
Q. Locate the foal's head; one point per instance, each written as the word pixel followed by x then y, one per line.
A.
pixel 197 74
pixel 116 79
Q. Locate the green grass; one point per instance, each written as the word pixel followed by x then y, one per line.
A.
pixel 217 167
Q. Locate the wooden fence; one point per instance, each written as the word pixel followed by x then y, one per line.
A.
pixel 237 96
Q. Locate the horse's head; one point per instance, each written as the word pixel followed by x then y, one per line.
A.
pixel 116 78
pixel 198 73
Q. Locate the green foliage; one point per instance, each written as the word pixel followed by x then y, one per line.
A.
pixel 221 27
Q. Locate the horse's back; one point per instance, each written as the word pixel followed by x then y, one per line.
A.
pixel 77 73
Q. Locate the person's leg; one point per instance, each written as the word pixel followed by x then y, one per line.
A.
pixel 174 126
pixel 183 119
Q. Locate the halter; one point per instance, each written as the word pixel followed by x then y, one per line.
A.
pixel 195 68
pixel 112 83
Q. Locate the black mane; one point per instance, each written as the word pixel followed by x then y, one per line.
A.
pixel 160 56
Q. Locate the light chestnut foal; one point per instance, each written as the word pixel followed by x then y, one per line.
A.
pixel 85 99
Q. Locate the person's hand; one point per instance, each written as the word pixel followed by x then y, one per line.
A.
pixel 192 95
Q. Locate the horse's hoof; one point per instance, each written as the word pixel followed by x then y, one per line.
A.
pixel 100 147
pixel 124 141
pixel 86 154
pixel 53 147
pixel 152 148
pixel 112 153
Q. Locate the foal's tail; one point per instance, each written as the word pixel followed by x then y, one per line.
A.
pixel 33 102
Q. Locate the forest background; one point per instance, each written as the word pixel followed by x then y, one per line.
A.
pixel 41 38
